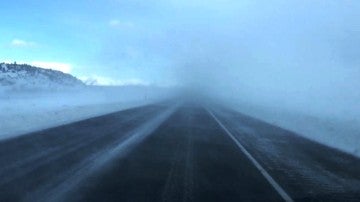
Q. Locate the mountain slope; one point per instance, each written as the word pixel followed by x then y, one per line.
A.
pixel 20 76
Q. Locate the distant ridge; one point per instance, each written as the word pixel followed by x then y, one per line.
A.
pixel 23 76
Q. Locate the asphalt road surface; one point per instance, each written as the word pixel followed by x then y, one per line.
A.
pixel 174 152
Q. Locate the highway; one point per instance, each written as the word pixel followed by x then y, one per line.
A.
pixel 174 152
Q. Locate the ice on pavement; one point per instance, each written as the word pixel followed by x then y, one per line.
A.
pixel 23 111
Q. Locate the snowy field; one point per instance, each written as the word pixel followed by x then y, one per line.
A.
pixel 28 111
pixel 340 131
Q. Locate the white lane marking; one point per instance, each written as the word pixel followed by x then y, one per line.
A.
pixel 267 176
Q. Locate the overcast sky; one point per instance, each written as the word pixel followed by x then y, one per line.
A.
pixel 257 47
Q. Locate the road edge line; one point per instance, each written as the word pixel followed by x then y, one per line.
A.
pixel 266 175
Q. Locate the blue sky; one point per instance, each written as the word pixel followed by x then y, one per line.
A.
pixel 191 42
pixel 79 37
pixel 113 41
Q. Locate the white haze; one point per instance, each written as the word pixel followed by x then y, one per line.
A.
pixel 298 58
pixel 300 54
pixel 293 63
pixel 27 111
pixel 303 55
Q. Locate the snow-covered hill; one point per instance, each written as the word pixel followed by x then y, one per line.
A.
pixel 22 76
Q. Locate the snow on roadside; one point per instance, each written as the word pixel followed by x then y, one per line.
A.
pixel 24 112
pixel 336 132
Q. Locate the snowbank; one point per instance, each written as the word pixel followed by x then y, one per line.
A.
pixel 27 111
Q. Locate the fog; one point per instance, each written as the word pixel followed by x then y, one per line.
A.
pixel 169 89
pixel 297 54
pixel 301 55
pixel 275 60
pixel 291 63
